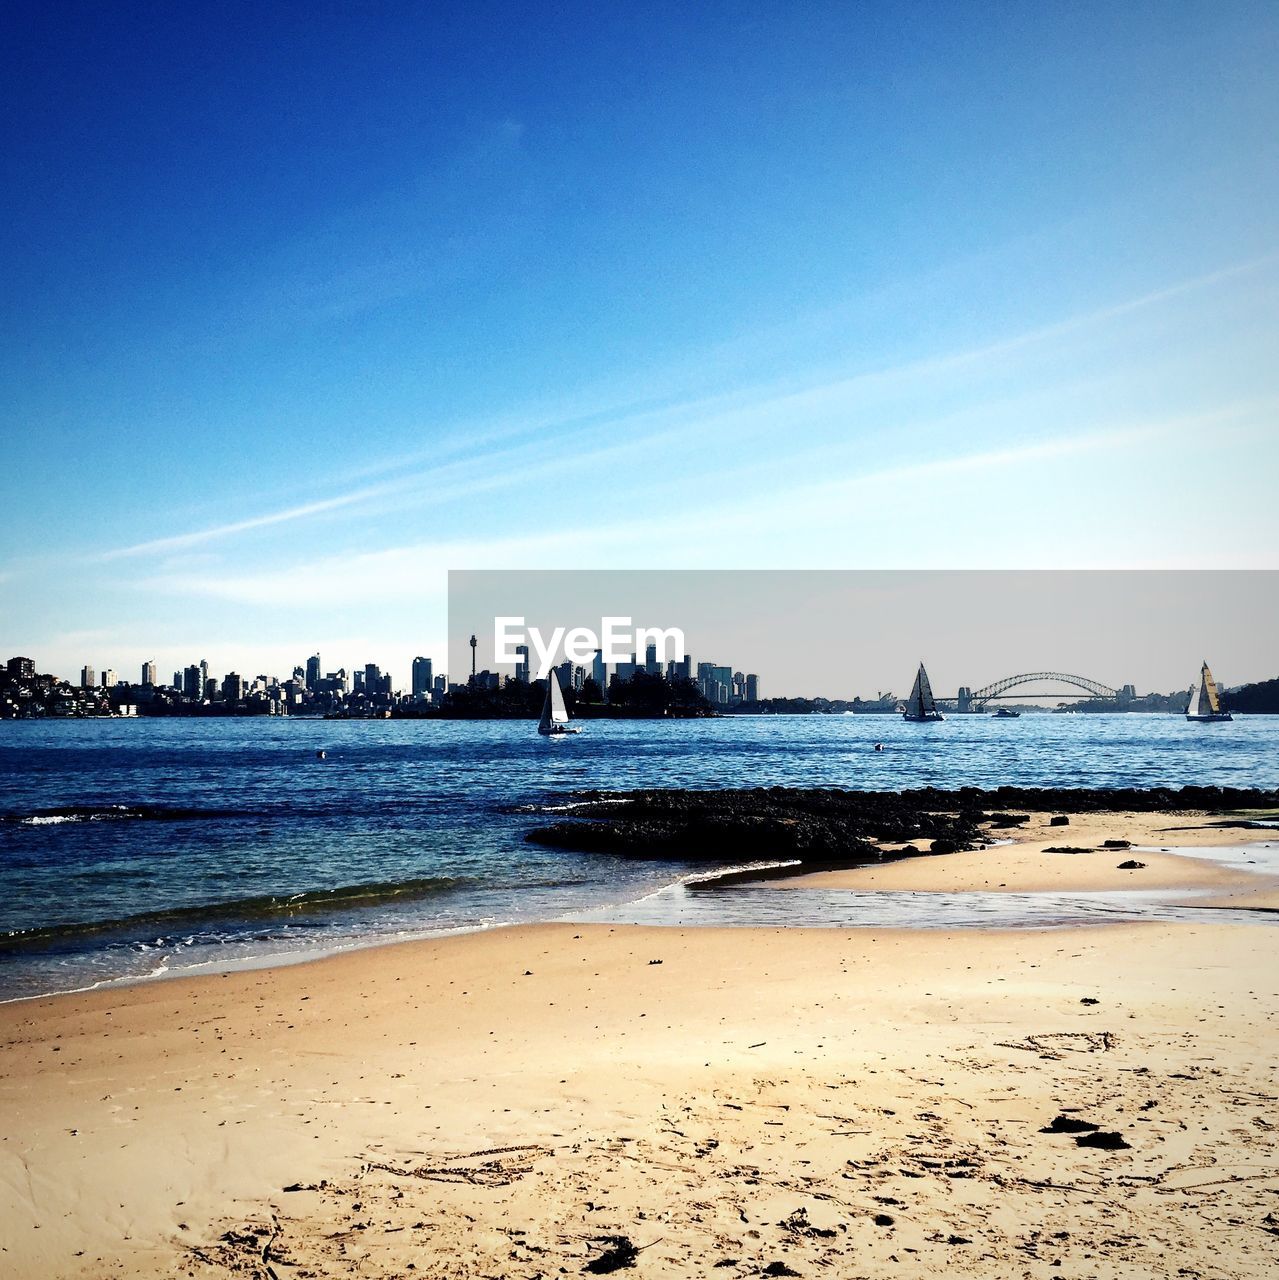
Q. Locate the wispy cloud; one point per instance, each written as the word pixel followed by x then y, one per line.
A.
pixel 524 450
pixel 825 503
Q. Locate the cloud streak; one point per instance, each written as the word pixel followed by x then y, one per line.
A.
pixel 377 575
pixel 468 467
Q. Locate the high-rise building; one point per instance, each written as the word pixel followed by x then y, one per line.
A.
pixel 599 669
pixel 521 663
pixel 441 686
pixel 372 679
pixel 87 680
pixel 148 674
pixel 177 681
pixel 651 665
pixel 192 685
pixel 234 687
pixel 680 668
pixel 313 671
pixel 424 679
pixel 108 679
pixel 21 668
pixel 752 687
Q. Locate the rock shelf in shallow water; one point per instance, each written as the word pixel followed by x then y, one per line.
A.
pixel 826 826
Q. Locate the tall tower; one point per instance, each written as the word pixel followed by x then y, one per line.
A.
pixel 313 671
pixel 474 643
pixel 148 674
pixel 88 679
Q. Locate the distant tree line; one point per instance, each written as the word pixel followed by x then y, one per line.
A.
pixel 1260 699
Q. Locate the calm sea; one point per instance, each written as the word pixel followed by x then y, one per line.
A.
pixel 252 847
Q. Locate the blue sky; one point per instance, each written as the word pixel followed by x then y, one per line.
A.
pixel 304 305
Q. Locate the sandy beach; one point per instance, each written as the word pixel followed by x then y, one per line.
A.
pixel 561 1099
pixel 1039 857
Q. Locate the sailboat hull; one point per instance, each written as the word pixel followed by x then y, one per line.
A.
pixel 1210 719
pixel 557 730
pixel 923 717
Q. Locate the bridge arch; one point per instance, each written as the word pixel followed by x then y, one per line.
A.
pixel 1000 688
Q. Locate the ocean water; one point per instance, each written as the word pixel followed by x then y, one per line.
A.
pixel 136 848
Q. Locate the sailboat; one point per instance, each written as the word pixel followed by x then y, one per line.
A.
pixel 921 706
pixel 554 722
pixel 1205 701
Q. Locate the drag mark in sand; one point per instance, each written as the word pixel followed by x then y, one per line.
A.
pixel 1104 1156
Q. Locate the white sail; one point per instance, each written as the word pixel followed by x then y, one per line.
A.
pixel 1196 690
pixel 554 712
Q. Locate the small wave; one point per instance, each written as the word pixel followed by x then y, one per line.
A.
pixel 113 813
pixel 261 907
pixel 568 807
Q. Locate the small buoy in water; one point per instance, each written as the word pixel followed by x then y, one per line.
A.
pixel 321 755
pixel 879 746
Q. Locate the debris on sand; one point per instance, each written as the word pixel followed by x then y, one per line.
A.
pixel 1116 844
pixel 1131 865
pixel 1105 1140
pixel 621 1252
pixel 1069 1124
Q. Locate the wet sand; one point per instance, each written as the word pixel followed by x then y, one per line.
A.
pixel 759 1102
pixel 1026 865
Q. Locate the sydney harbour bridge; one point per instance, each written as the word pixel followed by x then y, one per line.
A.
pixel 976 700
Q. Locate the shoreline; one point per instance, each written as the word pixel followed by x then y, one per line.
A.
pixel 1011 857
pixel 504 1101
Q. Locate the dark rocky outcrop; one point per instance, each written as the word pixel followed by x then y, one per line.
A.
pixel 827 826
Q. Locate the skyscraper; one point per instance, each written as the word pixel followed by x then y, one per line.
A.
pixel 192 684
pixel 148 674
pixel 313 671
pixel 521 663
pixel 108 679
pixel 87 678
pixel 599 669
pixel 423 679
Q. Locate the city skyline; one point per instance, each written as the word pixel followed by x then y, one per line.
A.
pixel 305 310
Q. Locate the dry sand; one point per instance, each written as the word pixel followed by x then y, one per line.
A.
pixel 828 1102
